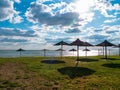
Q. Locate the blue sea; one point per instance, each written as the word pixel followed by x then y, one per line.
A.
pixel 29 53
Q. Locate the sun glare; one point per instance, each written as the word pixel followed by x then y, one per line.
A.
pixel 83 5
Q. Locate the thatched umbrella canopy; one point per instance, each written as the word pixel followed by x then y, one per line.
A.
pixel 73 50
pixel 61 43
pixel 87 44
pixel 105 43
pixel 20 50
pixel 77 43
pixel 60 49
pixel 86 50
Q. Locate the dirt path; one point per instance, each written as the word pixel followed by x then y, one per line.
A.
pixel 13 76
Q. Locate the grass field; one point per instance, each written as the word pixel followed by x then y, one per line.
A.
pixel 39 73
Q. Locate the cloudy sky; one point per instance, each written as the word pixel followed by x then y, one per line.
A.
pixel 38 24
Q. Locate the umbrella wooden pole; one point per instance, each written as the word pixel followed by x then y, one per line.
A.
pixel 77 61
pixel 61 51
pixel 103 50
pixel 119 50
pixel 109 52
pixel 20 53
pixel 98 52
pixel 44 53
pixel 86 52
pixel 106 52
pixel 73 53
pixel 77 52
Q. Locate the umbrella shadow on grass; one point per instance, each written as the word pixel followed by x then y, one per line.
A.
pixel 110 58
pixel 88 60
pixel 52 61
pixel 111 65
pixel 74 72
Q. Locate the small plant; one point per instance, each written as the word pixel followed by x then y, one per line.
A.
pixel 26 77
pixel 47 84
pixel 55 88
pixel 11 84
pixel 56 82
pixel 7 83
pixel 2 86
pixel 77 81
pixel 18 77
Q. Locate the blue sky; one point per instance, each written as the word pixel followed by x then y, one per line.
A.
pixel 38 24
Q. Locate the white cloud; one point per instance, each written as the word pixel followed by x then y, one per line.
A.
pixel 55 28
pixel 16 38
pixel 61 13
pixel 112 28
pixel 112 20
pixel 58 5
pixel 41 13
pixel 87 17
pixel 7 12
pixel 16 19
pixel 53 20
pixel 104 6
pixel 117 13
pixel 16 32
pixel 42 1
pixel 116 7
pixel 111 33
pixel 17 1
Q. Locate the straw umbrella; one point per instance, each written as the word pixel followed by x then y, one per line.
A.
pixel 61 50
pixel 86 44
pixel 86 50
pixel 77 43
pixel 20 50
pixel 44 50
pixel 61 43
pixel 73 50
pixel 105 43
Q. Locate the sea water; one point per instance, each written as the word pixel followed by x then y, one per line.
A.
pixel 51 53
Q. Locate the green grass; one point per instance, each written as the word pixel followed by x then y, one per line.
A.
pixel 93 73
pixel 6 83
